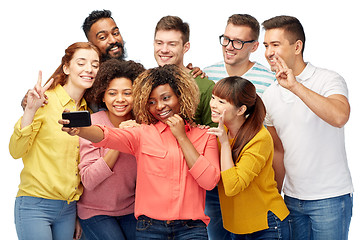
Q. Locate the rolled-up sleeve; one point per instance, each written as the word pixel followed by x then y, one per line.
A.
pixel 206 170
pixel 93 169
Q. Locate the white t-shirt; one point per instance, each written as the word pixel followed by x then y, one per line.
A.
pixel 314 151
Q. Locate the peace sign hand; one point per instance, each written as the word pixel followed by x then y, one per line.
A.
pixel 36 96
pixel 284 75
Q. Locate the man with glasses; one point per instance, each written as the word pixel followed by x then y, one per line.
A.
pixel 239 40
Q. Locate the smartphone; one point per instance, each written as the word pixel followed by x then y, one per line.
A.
pixel 77 119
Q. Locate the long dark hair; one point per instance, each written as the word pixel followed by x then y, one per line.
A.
pixel 239 91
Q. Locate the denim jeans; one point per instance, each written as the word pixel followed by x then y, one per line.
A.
pixel 44 219
pixel 277 230
pixel 215 229
pixel 320 219
pixel 104 227
pixel 148 228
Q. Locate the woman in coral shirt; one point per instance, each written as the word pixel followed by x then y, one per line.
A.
pixel 177 162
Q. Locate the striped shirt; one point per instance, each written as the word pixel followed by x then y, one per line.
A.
pixel 259 75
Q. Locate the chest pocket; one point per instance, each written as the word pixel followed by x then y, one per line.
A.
pixel 154 161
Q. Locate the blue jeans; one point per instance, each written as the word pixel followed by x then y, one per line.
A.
pixel 104 227
pixel 320 219
pixel 44 219
pixel 148 228
pixel 215 229
pixel 277 230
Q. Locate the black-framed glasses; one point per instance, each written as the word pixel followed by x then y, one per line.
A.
pixel 237 44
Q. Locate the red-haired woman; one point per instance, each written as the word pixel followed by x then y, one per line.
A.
pixel 45 206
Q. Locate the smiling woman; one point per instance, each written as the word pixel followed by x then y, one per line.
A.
pixel 49 186
pixel 177 162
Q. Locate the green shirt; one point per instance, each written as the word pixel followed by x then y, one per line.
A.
pixel 203 111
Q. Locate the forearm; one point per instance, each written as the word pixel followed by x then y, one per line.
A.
pixel 111 157
pixel 189 151
pixel 335 109
pixel 93 133
pixel 27 118
pixel 226 160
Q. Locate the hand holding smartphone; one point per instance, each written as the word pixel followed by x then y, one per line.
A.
pixel 77 119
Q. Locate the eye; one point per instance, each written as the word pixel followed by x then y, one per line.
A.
pixel 151 102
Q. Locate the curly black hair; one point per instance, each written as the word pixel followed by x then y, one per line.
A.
pixel 109 70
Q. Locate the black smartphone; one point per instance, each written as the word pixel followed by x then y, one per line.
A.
pixel 77 119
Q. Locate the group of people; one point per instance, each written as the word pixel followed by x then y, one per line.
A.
pixel 174 154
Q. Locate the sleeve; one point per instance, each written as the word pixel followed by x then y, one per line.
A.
pixel 206 170
pixel 206 113
pixel 124 140
pixel 335 84
pixel 92 167
pixel 249 165
pixel 22 139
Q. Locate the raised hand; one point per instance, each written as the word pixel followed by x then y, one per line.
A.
pixel 36 96
pixel 284 75
pixel 177 126
pixel 220 131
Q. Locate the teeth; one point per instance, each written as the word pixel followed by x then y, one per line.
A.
pixel 88 78
pixel 119 107
pixel 231 54
pixel 164 113
pixel 114 48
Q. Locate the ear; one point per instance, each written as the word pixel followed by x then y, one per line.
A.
pixel 186 47
pixel 66 70
pixel 255 46
pixel 241 110
pixel 298 47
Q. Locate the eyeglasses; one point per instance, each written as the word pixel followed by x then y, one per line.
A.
pixel 237 44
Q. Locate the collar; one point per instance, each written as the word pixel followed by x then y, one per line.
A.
pixel 65 98
pixel 307 73
pixel 160 126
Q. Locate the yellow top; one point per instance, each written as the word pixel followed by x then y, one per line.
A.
pixel 50 156
pixel 248 190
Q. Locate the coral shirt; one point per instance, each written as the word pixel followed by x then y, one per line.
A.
pixel 166 189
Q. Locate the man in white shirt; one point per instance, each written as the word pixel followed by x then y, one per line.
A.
pixel 307 109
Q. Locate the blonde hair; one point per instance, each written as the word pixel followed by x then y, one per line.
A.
pixel 181 82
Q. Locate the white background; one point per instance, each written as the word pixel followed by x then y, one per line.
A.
pixel 34 35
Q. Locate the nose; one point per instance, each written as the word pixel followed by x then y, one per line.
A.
pixel 111 39
pixel 89 68
pixel 269 52
pixel 120 98
pixel 160 105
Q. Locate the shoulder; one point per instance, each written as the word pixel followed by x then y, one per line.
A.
pixel 204 83
pixel 220 64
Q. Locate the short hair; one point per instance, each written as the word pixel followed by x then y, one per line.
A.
pixel 174 23
pixel 108 71
pixel 291 25
pixel 182 83
pixel 246 20
pixel 93 17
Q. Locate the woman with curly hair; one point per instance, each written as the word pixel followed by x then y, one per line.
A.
pixel 106 208
pixel 177 162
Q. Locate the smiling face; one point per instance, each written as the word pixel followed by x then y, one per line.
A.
pixel 105 34
pixel 119 100
pixel 82 69
pixel 169 47
pixel 234 56
pixel 277 44
pixel 163 103
pixel 219 105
